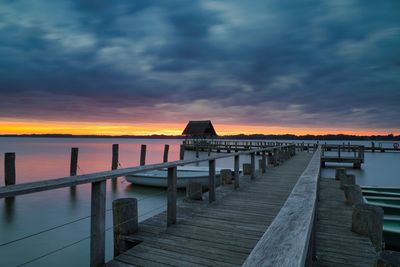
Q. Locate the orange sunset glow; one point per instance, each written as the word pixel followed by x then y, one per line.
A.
pixel 117 129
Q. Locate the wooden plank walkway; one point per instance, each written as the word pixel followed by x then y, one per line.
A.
pixel 221 234
pixel 336 244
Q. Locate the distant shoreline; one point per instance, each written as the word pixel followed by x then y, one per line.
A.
pixel 389 137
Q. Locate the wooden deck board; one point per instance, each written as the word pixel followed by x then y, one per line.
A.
pixel 222 233
pixel 336 244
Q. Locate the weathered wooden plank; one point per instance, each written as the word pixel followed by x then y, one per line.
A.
pixel 286 241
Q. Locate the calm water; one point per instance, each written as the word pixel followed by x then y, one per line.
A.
pixel 45 158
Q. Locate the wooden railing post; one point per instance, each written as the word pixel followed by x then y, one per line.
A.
pixel 211 180
pixel 97 224
pixel 264 162
pixel 182 152
pixel 253 166
pixel 74 161
pixel 166 150
pixel 114 163
pixel 171 202
pixel 142 155
pixel 9 168
pixel 236 171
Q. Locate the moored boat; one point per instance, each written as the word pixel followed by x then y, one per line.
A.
pixel 184 174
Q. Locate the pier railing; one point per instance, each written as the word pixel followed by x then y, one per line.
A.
pixel 289 240
pixel 98 188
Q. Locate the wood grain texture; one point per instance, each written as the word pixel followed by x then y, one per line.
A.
pixel 286 241
pixel 222 233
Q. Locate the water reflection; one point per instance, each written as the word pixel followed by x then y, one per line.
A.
pixel 9 204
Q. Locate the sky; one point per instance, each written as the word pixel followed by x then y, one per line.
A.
pixel 148 67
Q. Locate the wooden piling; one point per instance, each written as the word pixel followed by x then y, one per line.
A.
pixel 264 162
pixel 125 221
pixel 114 163
pixel 182 152
pixel 166 150
pixel 171 201
pixel 211 181
pixel 97 224
pixel 142 155
pixel 253 166
pixel 74 161
pixel 236 171
pixel 9 168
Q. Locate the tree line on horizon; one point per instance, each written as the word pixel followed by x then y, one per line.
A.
pixel 389 137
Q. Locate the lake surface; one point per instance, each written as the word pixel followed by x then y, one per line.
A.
pixel 45 158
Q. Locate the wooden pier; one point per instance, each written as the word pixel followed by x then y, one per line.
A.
pixel 271 217
pixel 221 234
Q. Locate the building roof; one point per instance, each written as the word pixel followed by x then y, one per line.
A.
pixel 199 129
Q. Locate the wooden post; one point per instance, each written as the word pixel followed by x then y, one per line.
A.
pixel 339 151
pixel 171 202
pixel 182 152
pixel 253 166
pixel 125 222
pixel 211 180
pixel 264 162
pixel 114 164
pixel 97 224
pixel 373 147
pixel 142 155
pixel 236 171
pixel 197 151
pixel 9 168
pixel 166 150
pixel 74 161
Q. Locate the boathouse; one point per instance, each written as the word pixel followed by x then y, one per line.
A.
pixel 199 130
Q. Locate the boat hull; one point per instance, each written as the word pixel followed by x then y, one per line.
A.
pixel 158 178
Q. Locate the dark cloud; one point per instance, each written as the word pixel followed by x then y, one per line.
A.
pixel 328 63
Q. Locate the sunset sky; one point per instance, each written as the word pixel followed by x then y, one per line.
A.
pixel 147 67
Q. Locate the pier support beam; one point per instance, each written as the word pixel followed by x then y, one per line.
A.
pixel 74 161
pixel 171 202
pixel 114 162
pixel 367 220
pixel 97 224
pixel 166 150
pixel 142 155
pixel 236 171
pixel 125 222
pixel 211 181
pixel 253 166
pixel 9 168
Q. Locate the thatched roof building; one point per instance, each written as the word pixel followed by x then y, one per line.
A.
pixel 199 129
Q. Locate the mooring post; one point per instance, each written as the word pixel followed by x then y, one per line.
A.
pixel 373 147
pixel 142 155
pixel 125 222
pixel 236 171
pixel 97 224
pixel 171 202
pixel 264 162
pixel 253 166
pixel 74 161
pixel 9 168
pixel 182 152
pixel 114 163
pixel 166 150
pixel 197 151
pixel 211 180
pixel 339 151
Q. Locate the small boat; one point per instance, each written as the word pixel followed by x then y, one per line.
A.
pixel 184 174
pixel 381 191
pixel 388 198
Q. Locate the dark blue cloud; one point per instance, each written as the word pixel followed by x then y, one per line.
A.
pixel 337 63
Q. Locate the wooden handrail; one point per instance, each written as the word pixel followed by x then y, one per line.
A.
pixel 288 240
pixel 32 187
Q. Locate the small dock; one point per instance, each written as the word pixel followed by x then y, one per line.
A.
pixel 336 244
pixel 221 234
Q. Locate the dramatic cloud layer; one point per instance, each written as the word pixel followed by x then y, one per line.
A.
pixel 283 62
